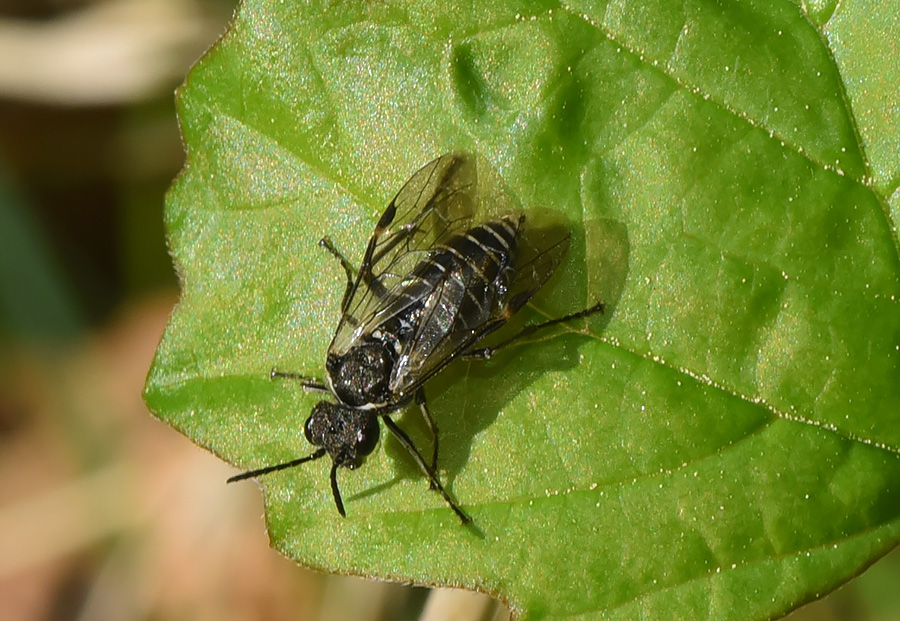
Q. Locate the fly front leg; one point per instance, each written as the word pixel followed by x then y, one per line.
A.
pixel 327 244
pixel 309 384
pixel 483 353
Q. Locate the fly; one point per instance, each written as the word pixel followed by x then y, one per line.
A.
pixel 432 284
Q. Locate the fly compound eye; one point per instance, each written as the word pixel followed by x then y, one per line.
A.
pixel 367 436
pixel 325 425
pixel 312 427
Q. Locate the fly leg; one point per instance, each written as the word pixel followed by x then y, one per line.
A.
pixel 288 464
pixel 327 244
pixel 432 427
pixel 365 272
pixel 309 384
pixel 483 353
pixel 411 448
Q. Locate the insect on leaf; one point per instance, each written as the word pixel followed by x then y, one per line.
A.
pixel 723 441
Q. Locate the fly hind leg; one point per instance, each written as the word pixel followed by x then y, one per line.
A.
pixel 483 353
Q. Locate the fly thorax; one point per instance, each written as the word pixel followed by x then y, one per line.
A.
pixel 347 434
pixel 361 377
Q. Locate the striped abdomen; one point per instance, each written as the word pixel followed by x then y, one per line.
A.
pixel 470 272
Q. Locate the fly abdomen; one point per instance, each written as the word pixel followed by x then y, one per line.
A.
pixel 455 290
pixel 488 248
pixel 479 263
pixel 482 253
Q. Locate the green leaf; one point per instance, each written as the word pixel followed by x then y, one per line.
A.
pixel 725 442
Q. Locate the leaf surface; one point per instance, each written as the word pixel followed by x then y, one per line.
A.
pixel 724 442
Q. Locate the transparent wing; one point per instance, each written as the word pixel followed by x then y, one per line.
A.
pixel 437 202
pixel 542 249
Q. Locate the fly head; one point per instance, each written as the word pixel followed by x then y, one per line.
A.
pixel 347 435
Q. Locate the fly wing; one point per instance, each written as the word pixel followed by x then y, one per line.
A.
pixel 541 251
pixel 436 202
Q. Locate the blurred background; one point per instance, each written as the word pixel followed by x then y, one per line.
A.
pixel 106 513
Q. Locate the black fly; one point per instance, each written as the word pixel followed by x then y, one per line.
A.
pixel 432 284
